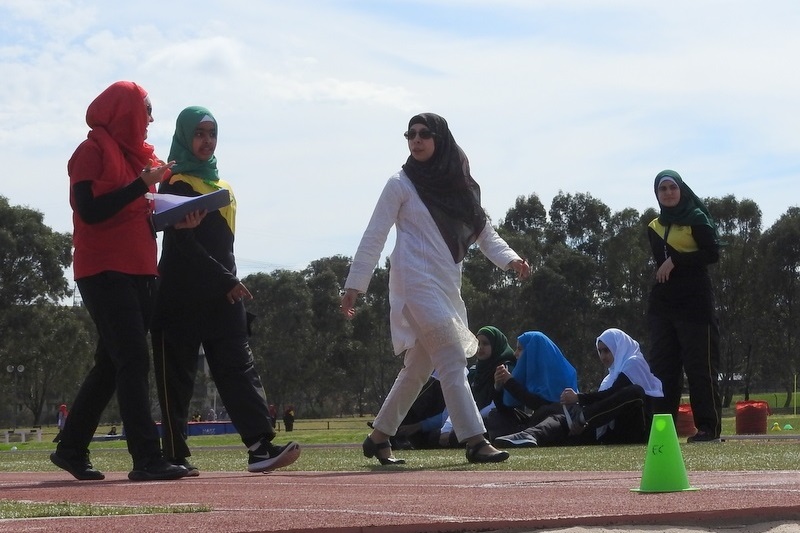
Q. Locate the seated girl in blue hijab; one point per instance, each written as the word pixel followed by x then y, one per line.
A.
pixel 535 384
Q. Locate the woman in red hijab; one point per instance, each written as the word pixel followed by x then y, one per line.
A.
pixel 115 270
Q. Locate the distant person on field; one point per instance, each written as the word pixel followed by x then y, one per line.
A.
pixel 288 419
pixel 61 419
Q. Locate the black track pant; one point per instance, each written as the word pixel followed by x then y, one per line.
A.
pixel 120 306
pixel 232 368
pixel 677 347
pixel 627 408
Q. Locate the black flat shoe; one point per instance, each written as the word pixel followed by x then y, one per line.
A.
pixel 474 457
pixel 371 449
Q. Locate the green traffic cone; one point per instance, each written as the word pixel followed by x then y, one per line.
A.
pixel 664 470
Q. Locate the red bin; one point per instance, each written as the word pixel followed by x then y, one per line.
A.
pixel 751 417
pixel 684 425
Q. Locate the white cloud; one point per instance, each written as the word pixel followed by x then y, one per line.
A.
pixel 580 96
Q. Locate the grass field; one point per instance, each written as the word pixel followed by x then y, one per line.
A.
pixel 334 445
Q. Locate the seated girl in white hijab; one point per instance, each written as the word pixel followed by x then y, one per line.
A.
pixel 620 412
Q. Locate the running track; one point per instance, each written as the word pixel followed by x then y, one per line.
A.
pixel 403 500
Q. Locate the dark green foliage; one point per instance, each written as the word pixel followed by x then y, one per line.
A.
pixel 592 269
pixel 35 331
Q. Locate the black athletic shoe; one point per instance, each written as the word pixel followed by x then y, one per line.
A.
pixel 157 469
pixel 77 464
pixel 703 436
pixel 193 471
pixel 269 457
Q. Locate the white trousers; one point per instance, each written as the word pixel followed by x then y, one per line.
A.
pixel 449 363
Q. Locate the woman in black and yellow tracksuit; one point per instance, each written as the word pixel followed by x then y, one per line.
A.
pixel 684 335
pixel 200 303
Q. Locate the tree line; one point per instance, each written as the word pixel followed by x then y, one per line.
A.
pixel 592 269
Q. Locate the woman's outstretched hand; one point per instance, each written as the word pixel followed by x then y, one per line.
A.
pixel 348 302
pixel 521 267
pixel 153 175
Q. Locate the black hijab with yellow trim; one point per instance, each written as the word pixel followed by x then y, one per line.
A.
pixel 445 186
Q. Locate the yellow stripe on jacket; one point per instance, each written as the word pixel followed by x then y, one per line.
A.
pixel 680 238
pixel 204 187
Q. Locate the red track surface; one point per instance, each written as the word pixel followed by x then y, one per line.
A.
pixel 408 501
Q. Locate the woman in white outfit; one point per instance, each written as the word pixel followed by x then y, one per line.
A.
pixel 435 206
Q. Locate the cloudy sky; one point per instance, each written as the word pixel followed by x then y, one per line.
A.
pixel 312 97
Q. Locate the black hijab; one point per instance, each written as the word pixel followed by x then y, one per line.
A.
pixel 447 189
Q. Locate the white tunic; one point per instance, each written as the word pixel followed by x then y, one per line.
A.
pixel 424 281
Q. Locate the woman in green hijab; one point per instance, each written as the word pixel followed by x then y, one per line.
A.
pixel 493 351
pixel 200 303
pixel 684 335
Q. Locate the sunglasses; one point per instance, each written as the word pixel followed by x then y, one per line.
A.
pixel 423 134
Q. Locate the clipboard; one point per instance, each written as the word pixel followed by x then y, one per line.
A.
pixel 169 209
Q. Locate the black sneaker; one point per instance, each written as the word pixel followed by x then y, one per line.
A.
pixel 269 457
pixel 192 470
pixel 703 436
pixel 77 464
pixel 157 469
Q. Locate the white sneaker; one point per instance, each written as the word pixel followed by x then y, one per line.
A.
pixel 516 440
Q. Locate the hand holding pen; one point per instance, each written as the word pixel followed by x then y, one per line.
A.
pixel 152 175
